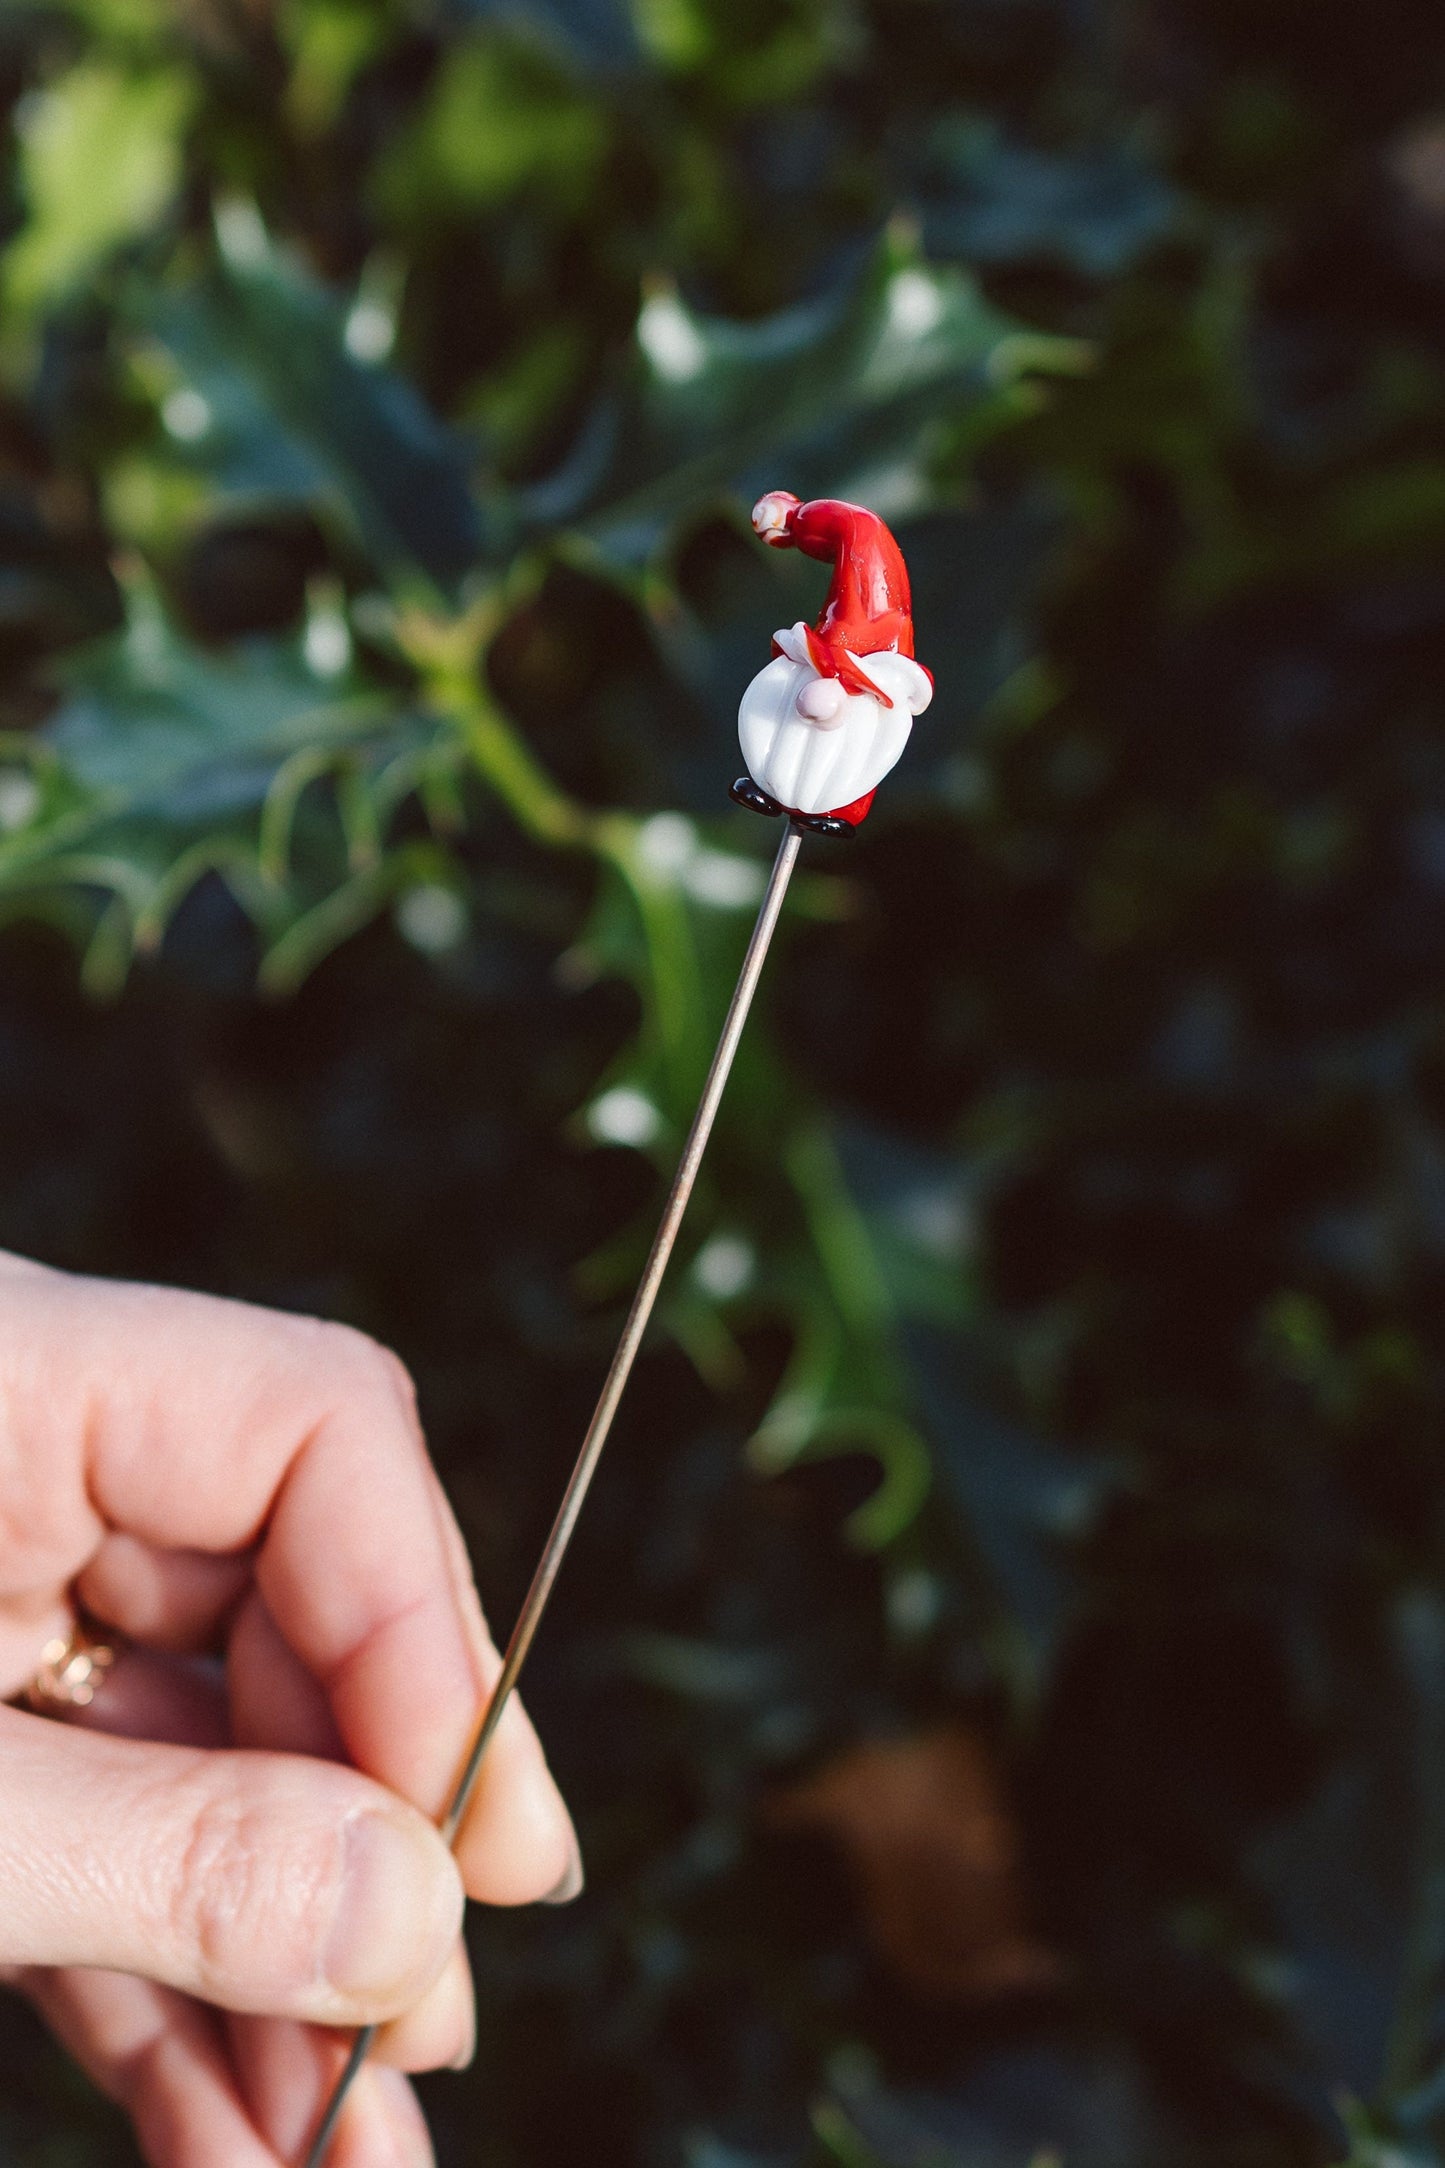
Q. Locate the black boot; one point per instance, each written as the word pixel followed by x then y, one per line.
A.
pixel 824 824
pixel 754 797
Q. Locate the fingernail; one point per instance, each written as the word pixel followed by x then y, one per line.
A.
pixel 390 1910
pixel 572 1882
pixel 468 2054
pixel 459 1978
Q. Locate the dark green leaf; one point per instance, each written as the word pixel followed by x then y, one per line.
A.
pixel 851 395
pixel 163 763
pixel 990 200
pixel 268 401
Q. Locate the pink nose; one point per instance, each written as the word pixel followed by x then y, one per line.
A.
pixel 822 701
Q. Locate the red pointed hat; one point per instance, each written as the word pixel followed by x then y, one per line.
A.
pixel 869 607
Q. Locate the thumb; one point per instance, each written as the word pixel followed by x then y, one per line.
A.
pixel 263 1882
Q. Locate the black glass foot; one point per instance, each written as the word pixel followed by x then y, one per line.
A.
pixel 754 797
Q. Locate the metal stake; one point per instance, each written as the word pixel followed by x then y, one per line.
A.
pixel 580 1480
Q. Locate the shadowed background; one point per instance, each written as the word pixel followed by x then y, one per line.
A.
pixel 1001 1677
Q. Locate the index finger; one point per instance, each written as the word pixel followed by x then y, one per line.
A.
pixel 211 1425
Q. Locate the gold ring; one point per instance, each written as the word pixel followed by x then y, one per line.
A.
pixel 73 1668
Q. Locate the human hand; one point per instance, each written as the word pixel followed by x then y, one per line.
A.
pixel 189 1904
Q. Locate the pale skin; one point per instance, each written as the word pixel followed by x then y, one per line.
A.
pixel 246 1497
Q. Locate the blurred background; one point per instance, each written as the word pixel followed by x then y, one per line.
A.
pixel 1001 1677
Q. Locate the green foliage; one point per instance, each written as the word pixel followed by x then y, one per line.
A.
pixel 262 393
pixel 501 117
pixel 100 160
pixel 164 764
pixel 858 393
pixel 1054 1354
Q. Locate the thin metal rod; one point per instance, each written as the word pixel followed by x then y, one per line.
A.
pixel 563 1528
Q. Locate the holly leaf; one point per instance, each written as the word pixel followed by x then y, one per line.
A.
pixel 992 200
pixel 855 393
pixel 597 31
pixel 264 389
pixel 96 120
pixel 1019 2106
pixel 673 920
pixel 1356 1881
pixel 164 763
pixel 1026 1502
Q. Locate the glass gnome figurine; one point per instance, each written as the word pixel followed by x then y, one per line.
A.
pixel 822 725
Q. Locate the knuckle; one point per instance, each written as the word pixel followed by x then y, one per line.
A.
pixel 256 1886
pixel 363 1366
pixel 337 1366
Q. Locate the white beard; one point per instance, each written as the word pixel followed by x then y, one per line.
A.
pixel 815 767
